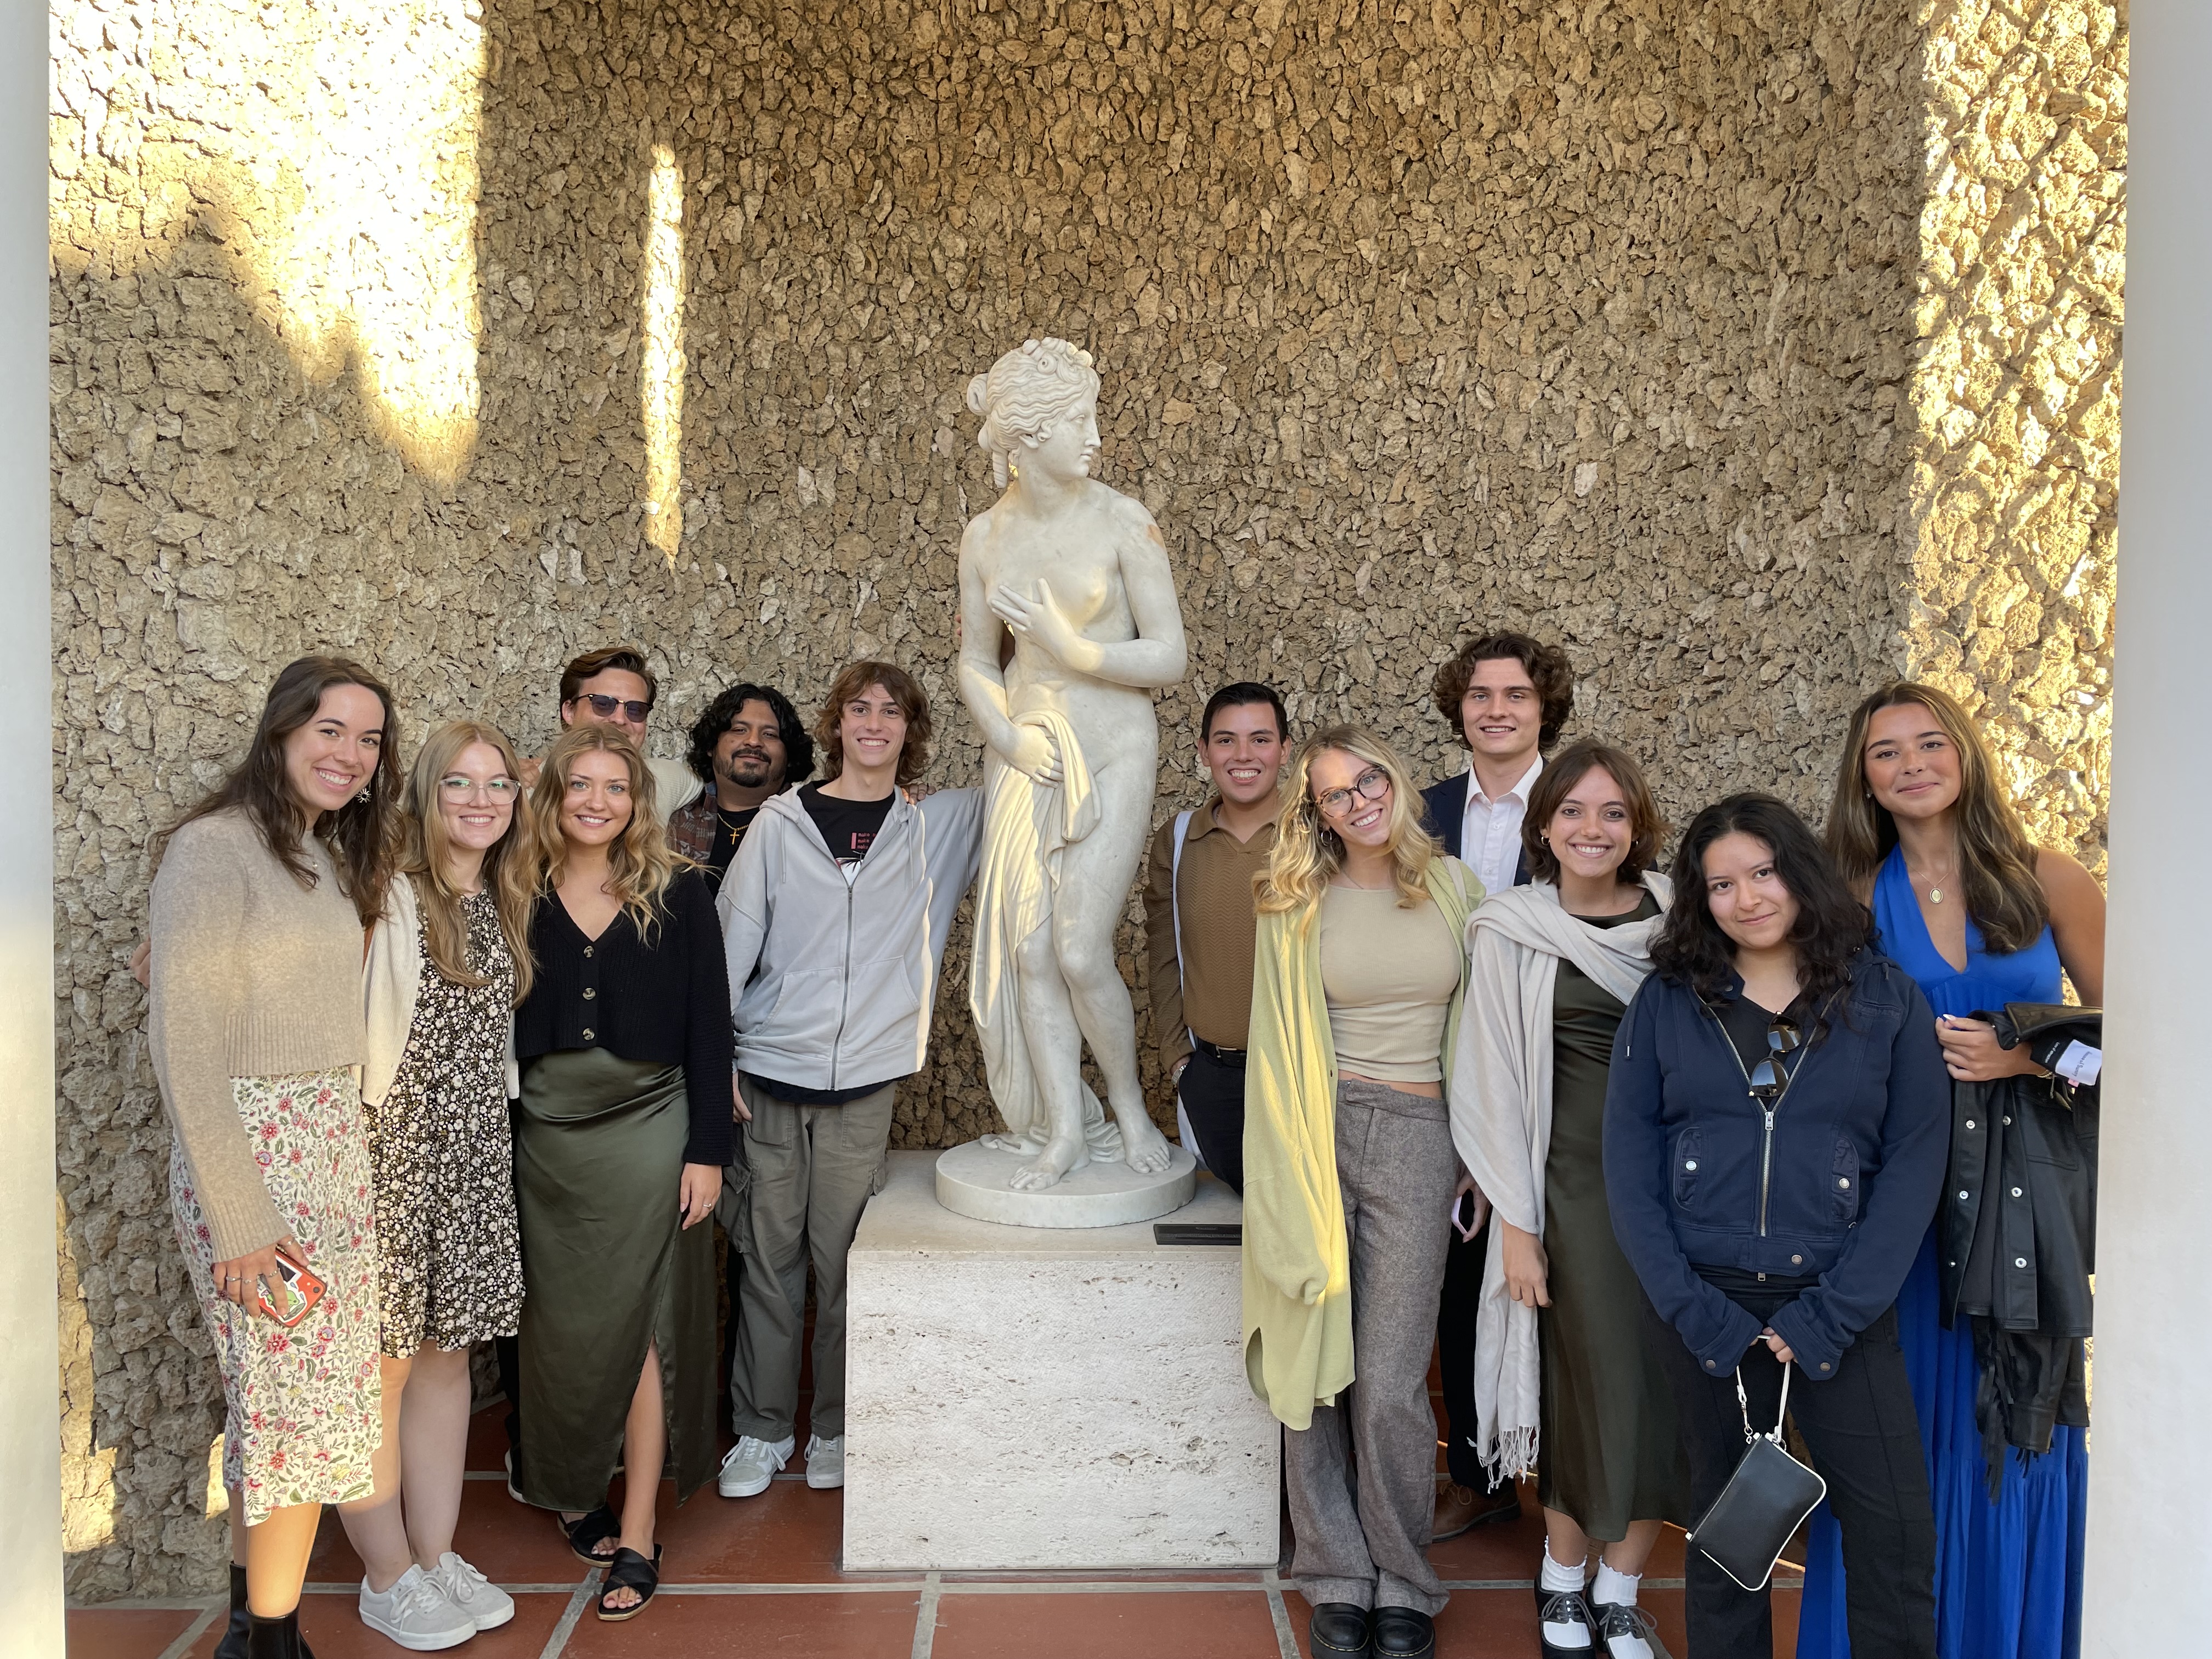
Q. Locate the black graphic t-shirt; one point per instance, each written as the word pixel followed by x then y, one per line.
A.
pixel 850 827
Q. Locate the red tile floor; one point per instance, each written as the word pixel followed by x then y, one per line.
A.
pixel 759 1577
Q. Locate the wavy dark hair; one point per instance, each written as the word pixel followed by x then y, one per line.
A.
pixel 362 835
pixel 707 730
pixel 1832 927
pixel 1547 668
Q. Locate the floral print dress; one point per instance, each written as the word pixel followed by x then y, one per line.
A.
pixel 305 1404
pixel 451 1263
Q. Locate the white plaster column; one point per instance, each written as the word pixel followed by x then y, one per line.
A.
pixel 30 1363
pixel 2150 1480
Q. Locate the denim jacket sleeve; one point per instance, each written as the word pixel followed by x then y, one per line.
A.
pixel 1916 1143
pixel 1715 1329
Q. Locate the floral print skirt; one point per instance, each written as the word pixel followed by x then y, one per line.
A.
pixel 305 1406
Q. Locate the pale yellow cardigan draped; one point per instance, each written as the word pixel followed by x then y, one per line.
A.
pixel 1298 1272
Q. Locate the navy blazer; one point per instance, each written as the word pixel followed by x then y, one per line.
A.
pixel 1443 814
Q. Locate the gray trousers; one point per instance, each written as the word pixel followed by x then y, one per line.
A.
pixel 1363 1479
pixel 811 1170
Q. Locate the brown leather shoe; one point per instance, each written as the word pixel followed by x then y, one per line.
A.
pixel 1459 1508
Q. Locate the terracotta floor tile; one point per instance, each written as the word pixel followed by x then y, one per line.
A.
pixel 1189 1625
pixel 332 1625
pixel 125 1632
pixel 1498 1549
pixel 789 1535
pixel 876 1625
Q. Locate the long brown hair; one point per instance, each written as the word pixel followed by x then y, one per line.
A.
pixel 507 872
pixel 639 865
pixel 361 834
pixel 1997 860
pixel 904 690
pixel 1308 852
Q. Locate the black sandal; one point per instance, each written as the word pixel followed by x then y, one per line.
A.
pixel 588 1530
pixel 630 1572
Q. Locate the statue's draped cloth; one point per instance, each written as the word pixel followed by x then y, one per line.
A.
pixel 1026 827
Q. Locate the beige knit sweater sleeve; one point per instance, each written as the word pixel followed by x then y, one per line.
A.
pixel 199 913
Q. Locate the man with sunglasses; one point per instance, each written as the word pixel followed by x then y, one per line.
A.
pixel 612 686
pixel 1505 696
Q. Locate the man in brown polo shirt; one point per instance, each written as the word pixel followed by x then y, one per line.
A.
pixel 1199 925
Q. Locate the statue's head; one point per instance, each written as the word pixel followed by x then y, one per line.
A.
pixel 1037 386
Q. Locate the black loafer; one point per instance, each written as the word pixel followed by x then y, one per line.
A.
pixel 1564 1607
pixel 1340 1631
pixel 1403 1633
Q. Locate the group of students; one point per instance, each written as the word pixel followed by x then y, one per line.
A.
pixel 1484 1077
pixel 1689 1129
pixel 450 1059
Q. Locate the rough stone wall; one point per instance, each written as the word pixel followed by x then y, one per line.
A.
pixel 2015 477
pixel 1596 319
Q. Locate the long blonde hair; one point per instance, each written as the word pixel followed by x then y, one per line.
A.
pixel 1308 853
pixel 1996 859
pixel 639 865
pixel 506 874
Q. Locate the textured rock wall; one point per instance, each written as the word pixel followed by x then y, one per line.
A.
pixel 1597 319
pixel 2016 473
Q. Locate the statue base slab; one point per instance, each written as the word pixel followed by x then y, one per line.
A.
pixel 1031 1399
pixel 971 1181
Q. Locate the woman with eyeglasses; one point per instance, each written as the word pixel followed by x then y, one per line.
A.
pixel 1349 1174
pixel 622 1131
pixel 1775 1125
pixel 1980 916
pixel 448 962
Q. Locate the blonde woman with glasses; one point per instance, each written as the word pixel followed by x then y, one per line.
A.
pixel 448 962
pixel 1349 1174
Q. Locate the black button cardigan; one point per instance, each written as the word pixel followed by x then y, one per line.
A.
pixel 666 1002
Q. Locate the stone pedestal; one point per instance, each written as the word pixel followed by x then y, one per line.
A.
pixel 973 1181
pixel 1020 1397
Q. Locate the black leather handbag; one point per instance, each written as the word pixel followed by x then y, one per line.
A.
pixel 1765 1502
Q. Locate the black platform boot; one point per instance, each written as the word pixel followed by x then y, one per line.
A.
pixel 232 1645
pixel 275 1639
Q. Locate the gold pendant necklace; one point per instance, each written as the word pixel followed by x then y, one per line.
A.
pixel 1934 895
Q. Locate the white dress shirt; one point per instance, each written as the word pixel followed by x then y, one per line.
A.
pixel 1490 830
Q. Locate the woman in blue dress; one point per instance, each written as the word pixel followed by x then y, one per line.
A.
pixel 1980 916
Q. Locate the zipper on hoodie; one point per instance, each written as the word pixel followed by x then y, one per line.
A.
pixel 1766 1111
pixel 845 978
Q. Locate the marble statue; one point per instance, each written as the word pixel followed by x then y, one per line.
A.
pixel 1077 574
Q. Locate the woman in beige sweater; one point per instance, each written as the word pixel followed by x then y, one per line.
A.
pixel 255 1018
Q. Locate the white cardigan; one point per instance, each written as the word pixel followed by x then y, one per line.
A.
pixel 391 980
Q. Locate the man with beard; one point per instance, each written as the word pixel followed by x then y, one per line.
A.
pixel 749 745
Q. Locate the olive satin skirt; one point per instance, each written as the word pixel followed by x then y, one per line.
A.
pixel 609 1271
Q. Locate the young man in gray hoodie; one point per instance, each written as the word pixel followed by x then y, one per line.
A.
pixel 834 918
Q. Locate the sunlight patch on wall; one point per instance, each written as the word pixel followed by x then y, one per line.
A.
pixel 331 147
pixel 661 372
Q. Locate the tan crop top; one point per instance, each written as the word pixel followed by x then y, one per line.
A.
pixel 1389 975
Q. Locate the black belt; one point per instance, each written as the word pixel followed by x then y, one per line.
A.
pixel 1233 1058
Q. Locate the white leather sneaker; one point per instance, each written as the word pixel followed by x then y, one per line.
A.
pixel 475 1594
pixel 825 1463
pixel 415 1613
pixel 751 1465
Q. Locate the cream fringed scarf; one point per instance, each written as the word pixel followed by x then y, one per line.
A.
pixel 1501 1119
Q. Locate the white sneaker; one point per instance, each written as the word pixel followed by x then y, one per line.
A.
pixel 415 1613
pixel 825 1463
pixel 751 1465
pixel 475 1594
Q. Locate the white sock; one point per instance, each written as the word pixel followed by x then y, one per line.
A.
pixel 1559 1574
pixel 1615 1589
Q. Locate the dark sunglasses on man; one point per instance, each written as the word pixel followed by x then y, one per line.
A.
pixel 603 706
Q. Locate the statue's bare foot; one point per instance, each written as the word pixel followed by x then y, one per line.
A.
pixel 1063 1154
pixel 1143 1148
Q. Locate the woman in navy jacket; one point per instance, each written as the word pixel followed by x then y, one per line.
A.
pixel 1775 1132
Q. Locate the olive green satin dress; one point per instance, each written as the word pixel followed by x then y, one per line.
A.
pixel 608 1270
pixel 1608 1452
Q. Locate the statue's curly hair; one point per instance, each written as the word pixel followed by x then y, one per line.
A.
pixel 1036 384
